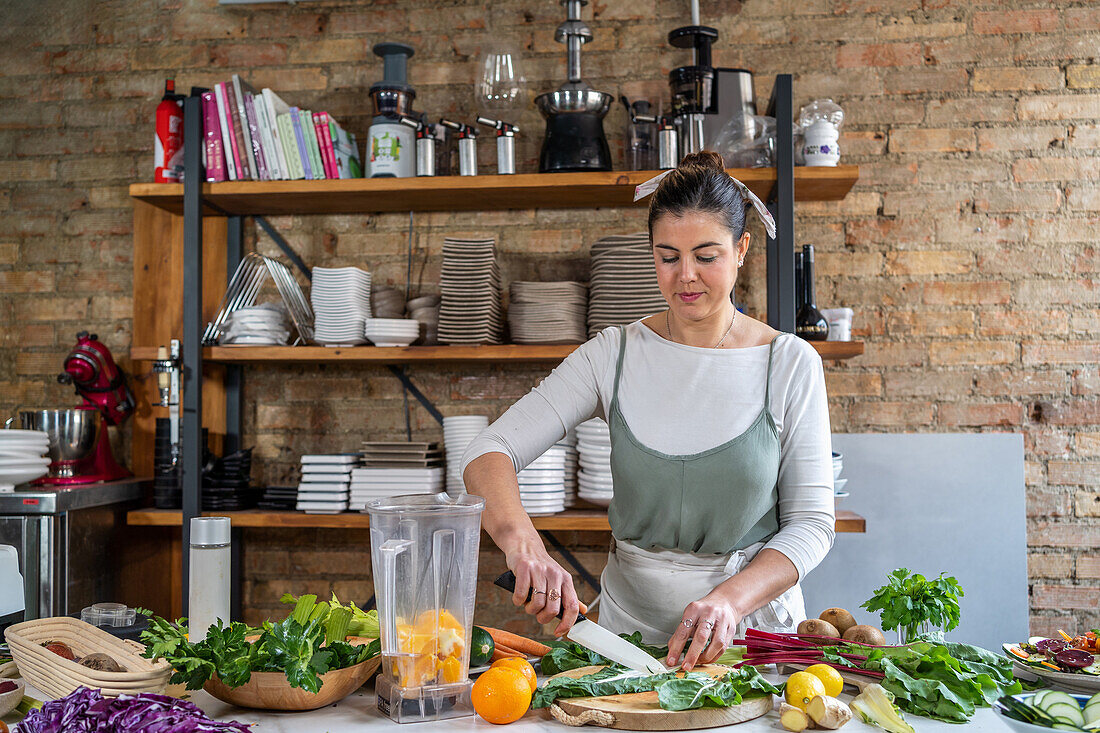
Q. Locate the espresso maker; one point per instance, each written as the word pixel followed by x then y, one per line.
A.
pixel 79 444
pixel 574 113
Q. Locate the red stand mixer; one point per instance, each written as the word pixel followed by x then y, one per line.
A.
pixel 79 443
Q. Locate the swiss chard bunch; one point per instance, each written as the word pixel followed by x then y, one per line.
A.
pixel 675 690
pixel 910 603
pixel 565 655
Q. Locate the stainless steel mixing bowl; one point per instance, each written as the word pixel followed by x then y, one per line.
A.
pixel 566 101
pixel 73 435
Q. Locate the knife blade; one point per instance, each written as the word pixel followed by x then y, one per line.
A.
pixel 592 636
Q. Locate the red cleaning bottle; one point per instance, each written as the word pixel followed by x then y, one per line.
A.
pixel 168 146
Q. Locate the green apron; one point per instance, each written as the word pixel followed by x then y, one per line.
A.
pixel 714 502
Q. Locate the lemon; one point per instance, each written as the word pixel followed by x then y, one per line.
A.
pixel 829 677
pixel 801 688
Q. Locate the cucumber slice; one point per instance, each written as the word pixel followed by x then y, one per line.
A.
pixel 1067 713
pixel 1056 697
pixel 1094 700
pixel 1065 726
pixel 1037 698
pixel 1092 713
pixel 1093 669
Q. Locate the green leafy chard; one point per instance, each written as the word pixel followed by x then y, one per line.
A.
pixel 675 690
pixel 565 655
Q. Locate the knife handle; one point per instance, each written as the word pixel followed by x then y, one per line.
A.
pixel 507 581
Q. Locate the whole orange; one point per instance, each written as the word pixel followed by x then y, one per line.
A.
pixel 501 695
pixel 522 665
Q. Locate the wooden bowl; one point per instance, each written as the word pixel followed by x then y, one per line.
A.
pixel 271 691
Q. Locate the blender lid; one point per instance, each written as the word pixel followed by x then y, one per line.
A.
pixel 417 503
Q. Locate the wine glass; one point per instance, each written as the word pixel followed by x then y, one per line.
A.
pixel 501 85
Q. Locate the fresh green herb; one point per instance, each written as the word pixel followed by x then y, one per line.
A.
pixel 912 602
pixel 565 655
pixel 674 692
pixel 303 652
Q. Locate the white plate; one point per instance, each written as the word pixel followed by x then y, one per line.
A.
pixel 340 458
pixel 323 496
pixel 1078 682
pixel 23 462
pixel 20 475
pixel 16 434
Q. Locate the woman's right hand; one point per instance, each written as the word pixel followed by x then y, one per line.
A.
pixel 550 585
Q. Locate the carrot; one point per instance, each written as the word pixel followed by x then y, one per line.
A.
pixel 1065 636
pixel 521 644
pixel 502 652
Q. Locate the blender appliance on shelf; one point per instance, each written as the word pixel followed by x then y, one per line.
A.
pixel 574 113
pixel 79 444
pixel 692 87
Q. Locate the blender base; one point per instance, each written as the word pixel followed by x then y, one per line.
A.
pixel 420 704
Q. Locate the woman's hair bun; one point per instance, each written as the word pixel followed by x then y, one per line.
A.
pixel 705 159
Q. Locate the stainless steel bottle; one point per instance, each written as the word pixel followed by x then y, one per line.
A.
pixel 668 144
pixel 467 146
pixel 506 144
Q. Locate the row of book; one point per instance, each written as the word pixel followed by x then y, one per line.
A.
pixel 250 135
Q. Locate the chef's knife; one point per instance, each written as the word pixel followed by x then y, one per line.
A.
pixel 595 637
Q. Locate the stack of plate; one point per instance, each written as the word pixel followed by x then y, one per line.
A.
pixel 21 457
pixel 392 331
pixel 569 443
pixel 278 497
pixel 838 482
pixel 325 478
pixel 458 431
pixel 425 309
pixel 547 313
pixel 594 478
pixel 542 483
pixel 401 454
pixel 470 311
pixel 267 324
pixel 387 302
pixel 379 483
pixel 341 305
pixel 623 284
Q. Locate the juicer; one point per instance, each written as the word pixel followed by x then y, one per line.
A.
pixel 391 145
pixel 574 113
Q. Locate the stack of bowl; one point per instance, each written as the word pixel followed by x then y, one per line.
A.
pixel 594 477
pixel 392 331
pixel 425 309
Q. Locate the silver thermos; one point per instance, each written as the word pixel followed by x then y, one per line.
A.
pixel 668 140
pixel 506 144
pixel 467 147
pixel 425 145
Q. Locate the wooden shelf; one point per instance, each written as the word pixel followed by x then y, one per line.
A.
pixel 594 520
pixel 466 193
pixel 829 350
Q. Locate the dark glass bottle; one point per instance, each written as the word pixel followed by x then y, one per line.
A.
pixel 809 323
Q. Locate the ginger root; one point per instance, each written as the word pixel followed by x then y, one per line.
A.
pixel 792 718
pixel 828 712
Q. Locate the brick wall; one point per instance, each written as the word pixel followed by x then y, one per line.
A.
pixel 967 248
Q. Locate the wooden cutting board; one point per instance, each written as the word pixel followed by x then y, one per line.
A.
pixel 640 711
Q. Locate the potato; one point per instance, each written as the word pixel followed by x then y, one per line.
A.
pixel 862 634
pixel 818 627
pixel 839 618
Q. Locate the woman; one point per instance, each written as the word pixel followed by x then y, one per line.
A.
pixel 721 452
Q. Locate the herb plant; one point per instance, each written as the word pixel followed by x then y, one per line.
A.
pixel 911 603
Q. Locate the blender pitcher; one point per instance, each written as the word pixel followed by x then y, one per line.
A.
pixel 424 551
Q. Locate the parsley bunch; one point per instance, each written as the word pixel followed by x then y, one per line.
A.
pixel 911 602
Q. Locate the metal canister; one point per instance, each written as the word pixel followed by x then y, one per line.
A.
pixel 506 153
pixel 668 144
pixel 467 155
pixel 425 154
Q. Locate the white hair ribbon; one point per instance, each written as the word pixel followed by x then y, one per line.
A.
pixel 644 189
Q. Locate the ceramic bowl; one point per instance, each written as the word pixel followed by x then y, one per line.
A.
pixel 1022 727
pixel 8 700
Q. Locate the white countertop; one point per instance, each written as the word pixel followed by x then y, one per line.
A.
pixel 357 714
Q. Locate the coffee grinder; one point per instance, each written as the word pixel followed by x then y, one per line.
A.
pixel 391 145
pixel 574 113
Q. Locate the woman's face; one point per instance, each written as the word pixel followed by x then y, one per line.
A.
pixel 696 259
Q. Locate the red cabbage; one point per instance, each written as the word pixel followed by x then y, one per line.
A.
pixel 85 710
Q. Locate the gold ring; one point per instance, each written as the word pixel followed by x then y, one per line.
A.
pixel 554 595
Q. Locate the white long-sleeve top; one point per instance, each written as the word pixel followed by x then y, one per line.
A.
pixel 679 400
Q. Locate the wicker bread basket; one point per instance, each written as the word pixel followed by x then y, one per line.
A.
pixel 57 676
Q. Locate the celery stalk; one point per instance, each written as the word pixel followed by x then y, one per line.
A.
pixel 303 609
pixel 336 627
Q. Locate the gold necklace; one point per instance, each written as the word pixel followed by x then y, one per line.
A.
pixel 668 328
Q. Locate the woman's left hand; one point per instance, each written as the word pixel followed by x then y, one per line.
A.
pixel 709 624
